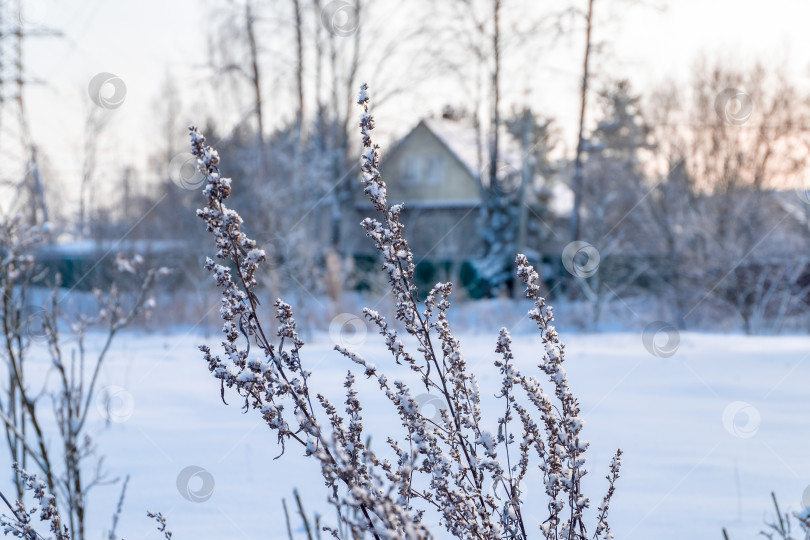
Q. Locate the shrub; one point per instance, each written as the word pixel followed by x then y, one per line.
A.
pixel 447 463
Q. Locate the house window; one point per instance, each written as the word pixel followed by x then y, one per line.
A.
pixel 434 171
pixel 410 170
pixel 421 171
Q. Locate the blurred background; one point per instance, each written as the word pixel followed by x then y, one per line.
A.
pixel 678 167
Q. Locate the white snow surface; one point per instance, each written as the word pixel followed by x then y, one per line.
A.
pixel 685 473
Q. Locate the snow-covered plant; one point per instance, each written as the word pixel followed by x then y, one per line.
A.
pixel 782 527
pixel 77 373
pixel 62 460
pixel 312 530
pixel 449 464
pixel 161 521
pixel 19 523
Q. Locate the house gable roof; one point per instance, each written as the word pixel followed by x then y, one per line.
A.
pixel 469 150
pixel 455 182
pixel 459 139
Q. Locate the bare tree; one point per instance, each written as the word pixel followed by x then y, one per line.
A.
pixel 299 65
pixel 739 134
pixel 95 123
pixel 612 219
pixel 473 39
pixel 577 180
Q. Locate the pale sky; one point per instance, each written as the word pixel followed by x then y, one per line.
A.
pixel 141 40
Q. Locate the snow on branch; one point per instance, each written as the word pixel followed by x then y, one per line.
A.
pixel 448 465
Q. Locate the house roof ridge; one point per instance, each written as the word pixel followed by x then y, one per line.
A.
pixel 464 151
pixel 459 137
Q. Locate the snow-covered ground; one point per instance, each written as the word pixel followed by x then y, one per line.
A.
pixel 707 433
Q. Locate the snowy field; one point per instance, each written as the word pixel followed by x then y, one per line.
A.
pixel 707 433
